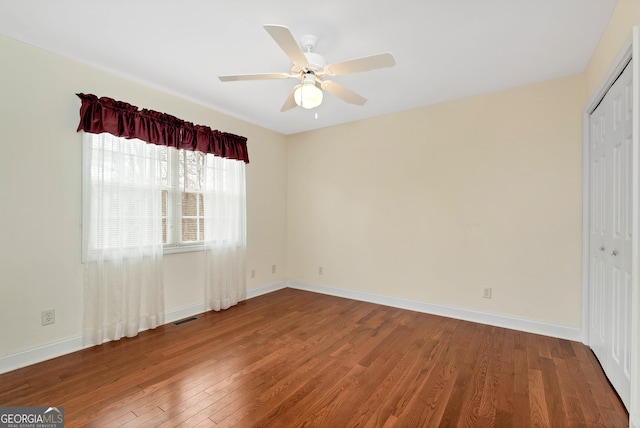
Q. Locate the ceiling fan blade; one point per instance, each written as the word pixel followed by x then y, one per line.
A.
pixel 287 43
pixel 343 93
pixel 360 64
pixel 290 102
pixel 258 76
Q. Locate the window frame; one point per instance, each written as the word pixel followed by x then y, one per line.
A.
pixel 174 205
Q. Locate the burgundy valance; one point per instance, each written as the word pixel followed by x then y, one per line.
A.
pixel 121 119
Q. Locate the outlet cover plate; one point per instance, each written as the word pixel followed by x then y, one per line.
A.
pixel 48 317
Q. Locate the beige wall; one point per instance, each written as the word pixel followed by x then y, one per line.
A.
pixel 435 203
pixel 625 16
pixel 40 194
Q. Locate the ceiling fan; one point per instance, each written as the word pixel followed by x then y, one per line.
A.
pixel 311 68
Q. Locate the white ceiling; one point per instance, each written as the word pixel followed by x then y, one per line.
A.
pixel 444 49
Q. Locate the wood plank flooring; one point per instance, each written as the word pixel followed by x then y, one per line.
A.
pixel 293 358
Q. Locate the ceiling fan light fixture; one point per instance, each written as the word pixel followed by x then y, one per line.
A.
pixel 308 95
pixel 311 68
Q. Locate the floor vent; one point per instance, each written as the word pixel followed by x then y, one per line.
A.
pixel 186 320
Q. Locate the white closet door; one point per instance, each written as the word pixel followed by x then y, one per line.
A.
pixel 600 230
pixel 610 250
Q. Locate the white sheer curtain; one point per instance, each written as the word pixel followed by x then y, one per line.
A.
pixel 122 239
pixel 225 232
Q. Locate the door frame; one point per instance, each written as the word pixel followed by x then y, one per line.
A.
pixel 629 52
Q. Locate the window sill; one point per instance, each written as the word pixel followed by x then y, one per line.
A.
pixel 174 249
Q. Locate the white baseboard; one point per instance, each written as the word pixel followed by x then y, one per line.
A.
pixel 184 312
pixel 39 354
pixel 634 421
pixel 529 326
pixel 191 310
pixel 255 292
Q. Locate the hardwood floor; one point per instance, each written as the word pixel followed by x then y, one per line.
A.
pixel 294 358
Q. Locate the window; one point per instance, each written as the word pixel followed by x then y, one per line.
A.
pixel 121 195
pixel 183 221
pixel 139 194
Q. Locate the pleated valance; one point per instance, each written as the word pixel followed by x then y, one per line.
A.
pixel 98 115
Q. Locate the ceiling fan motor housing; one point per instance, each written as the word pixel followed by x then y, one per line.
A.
pixel 315 60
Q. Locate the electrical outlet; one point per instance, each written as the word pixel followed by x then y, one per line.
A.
pixel 273 268
pixel 253 273
pixel 320 270
pixel 486 292
pixel 48 316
